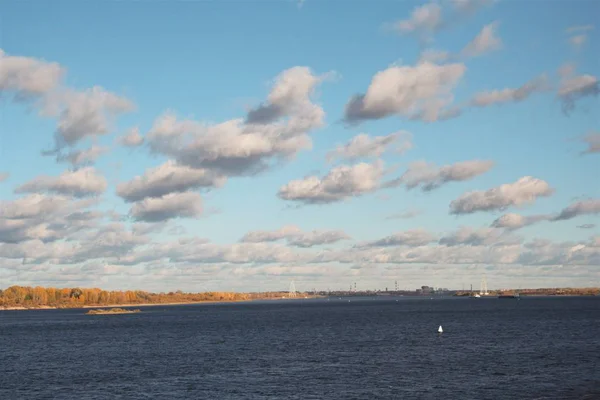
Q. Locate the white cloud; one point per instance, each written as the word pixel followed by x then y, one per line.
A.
pixel 415 237
pixel 405 214
pixel 466 236
pixel 275 131
pixel 173 205
pixel 544 252
pixel 132 138
pixel 290 95
pixel 514 221
pixel 113 249
pixel 429 176
pixel 27 77
pixel 365 146
pixel 510 95
pixel 83 157
pixel 575 87
pixel 168 178
pixel 84 113
pixel 271 236
pixel 591 206
pixel 80 113
pixel 425 20
pixel 593 142
pixel 43 217
pixel 340 183
pixel 524 191
pixel 486 41
pixel 421 92
pixel 32 206
pixel 83 182
pixel 295 236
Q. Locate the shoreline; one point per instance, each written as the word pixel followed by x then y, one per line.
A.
pixel 22 308
pixel 87 307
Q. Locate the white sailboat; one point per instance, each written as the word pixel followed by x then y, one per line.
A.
pixel 473 296
pixel 440 330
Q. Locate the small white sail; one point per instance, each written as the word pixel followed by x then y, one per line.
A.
pixel 440 330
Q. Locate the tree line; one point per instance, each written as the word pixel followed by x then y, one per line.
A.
pixel 25 296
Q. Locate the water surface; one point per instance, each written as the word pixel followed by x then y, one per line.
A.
pixel 370 348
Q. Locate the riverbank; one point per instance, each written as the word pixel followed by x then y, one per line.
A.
pixel 22 308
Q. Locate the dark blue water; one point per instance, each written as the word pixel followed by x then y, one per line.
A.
pixel 533 348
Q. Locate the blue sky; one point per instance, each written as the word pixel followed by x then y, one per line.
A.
pixel 212 62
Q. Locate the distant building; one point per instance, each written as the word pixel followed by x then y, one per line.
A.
pixel 425 290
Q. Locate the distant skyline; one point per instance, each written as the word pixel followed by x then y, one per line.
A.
pixel 237 146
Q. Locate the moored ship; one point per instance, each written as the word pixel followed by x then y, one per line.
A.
pixel 509 296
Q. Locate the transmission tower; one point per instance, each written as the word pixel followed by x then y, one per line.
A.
pixel 292 289
pixel 484 289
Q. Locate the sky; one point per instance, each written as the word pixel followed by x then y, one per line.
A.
pixel 229 145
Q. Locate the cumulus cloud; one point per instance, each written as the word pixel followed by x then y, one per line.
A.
pixel 290 95
pixel 27 77
pixel 295 237
pixel 43 217
pixel 575 87
pixel 132 138
pixel 4 176
pixel 429 176
pixel 83 182
pixel 32 206
pixel 584 207
pixel 514 221
pixel 486 41
pixel 273 132
pixel 173 205
pixel 415 237
pixel 544 252
pixel 421 92
pixel 424 21
pixel 84 113
pixel 168 178
pixel 524 191
pixel 510 95
pixel 130 252
pixel 339 184
pixel 466 236
pixel 365 146
pixel 593 142
pixel 80 113
pixel 271 236
pixel 78 158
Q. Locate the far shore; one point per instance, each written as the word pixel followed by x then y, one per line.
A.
pixel 21 308
pixel 12 308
